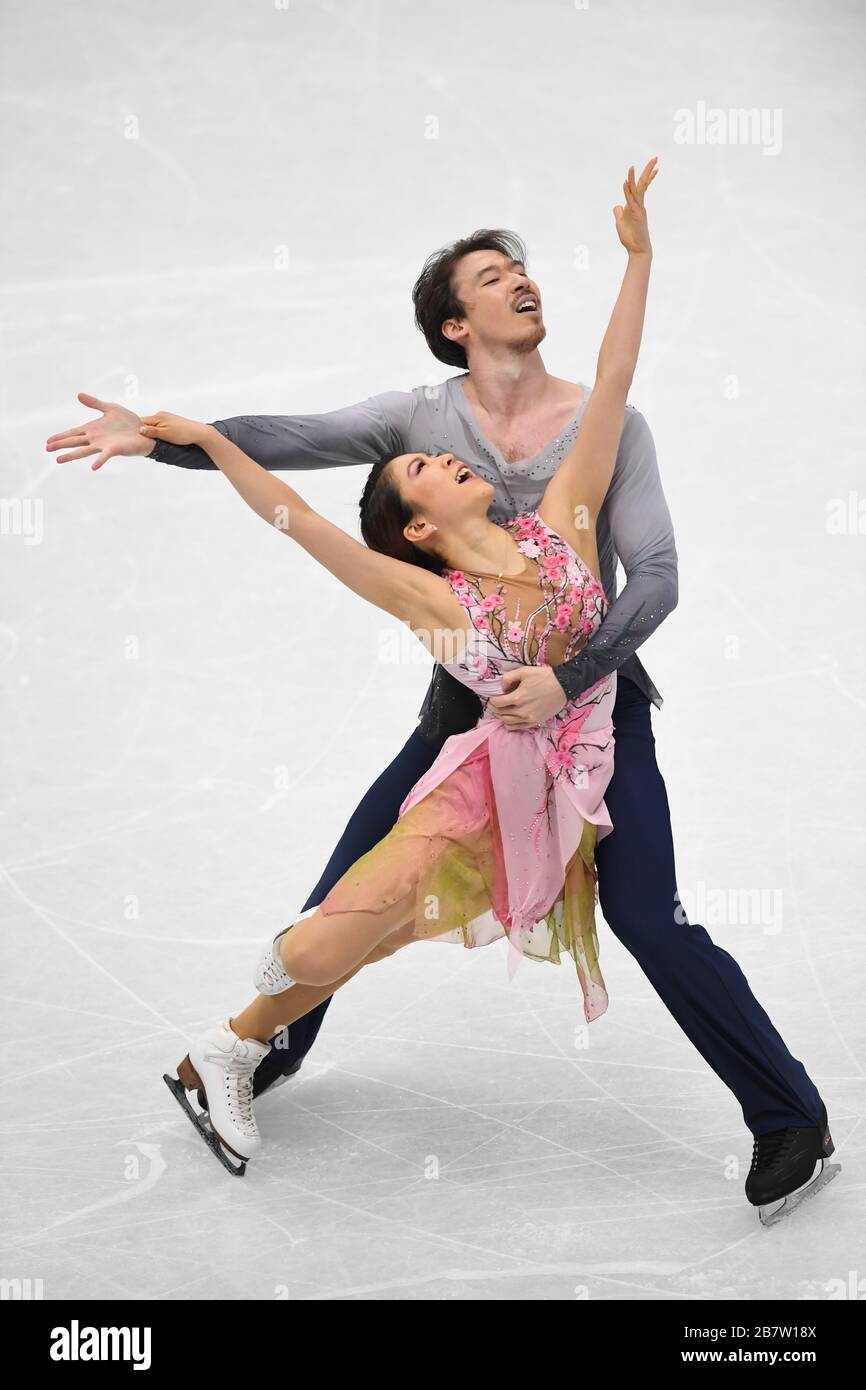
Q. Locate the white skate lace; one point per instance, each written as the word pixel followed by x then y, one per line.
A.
pixel 273 972
pixel 238 1080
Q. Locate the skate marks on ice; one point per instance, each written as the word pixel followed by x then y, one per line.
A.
pixel 156 1168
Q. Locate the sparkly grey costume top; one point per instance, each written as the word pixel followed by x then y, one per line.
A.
pixel 634 524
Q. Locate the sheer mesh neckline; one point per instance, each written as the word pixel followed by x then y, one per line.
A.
pixel 488 574
pixel 543 616
pixel 530 563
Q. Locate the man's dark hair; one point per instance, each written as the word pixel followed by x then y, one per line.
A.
pixel 434 299
pixel 383 516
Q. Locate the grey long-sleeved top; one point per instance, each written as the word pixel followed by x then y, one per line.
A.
pixel 634 524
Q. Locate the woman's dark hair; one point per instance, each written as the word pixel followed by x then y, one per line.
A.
pixel 434 299
pixel 383 516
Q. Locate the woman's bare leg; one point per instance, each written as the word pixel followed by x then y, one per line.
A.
pixel 318 944
pixel 325 947
pixel 268 1013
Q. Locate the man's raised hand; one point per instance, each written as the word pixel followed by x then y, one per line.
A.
pixel 631 223
pixel 115 433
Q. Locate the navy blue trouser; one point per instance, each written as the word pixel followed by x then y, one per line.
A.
pixel 701 984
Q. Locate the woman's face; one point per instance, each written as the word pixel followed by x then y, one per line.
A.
pixel 440 490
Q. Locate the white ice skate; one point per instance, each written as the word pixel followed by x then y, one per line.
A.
pixel 221 1064
pixel 270 975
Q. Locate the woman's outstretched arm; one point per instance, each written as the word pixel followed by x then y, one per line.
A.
pixel 575 493
pixel 414 595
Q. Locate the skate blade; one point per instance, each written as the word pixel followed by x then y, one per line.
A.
pixel 212 1140
pixel 774 1212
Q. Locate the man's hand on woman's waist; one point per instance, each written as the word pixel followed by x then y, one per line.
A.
pixel 532 695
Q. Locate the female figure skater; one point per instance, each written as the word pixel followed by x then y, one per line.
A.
pixel 498 837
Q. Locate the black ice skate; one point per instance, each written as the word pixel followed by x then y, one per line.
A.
pixel 789 1165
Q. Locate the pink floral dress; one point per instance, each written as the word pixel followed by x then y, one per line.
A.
pixel 498 837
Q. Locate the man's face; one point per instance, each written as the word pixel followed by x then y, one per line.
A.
pixel 502 305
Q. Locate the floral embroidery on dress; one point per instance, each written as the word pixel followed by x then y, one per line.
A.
pixel 571 603
pixel 571 600
pixel 498 837
pixel 570 757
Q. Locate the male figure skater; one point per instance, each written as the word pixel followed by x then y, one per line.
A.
pixel 512 422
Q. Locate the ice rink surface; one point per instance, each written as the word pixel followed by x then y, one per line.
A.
pixel 220 209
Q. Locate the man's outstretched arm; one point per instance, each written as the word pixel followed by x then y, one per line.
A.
pixel 358 433
pixel 643 538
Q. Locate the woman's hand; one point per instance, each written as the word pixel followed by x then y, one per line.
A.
pixel 631 223
pixel 174 428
